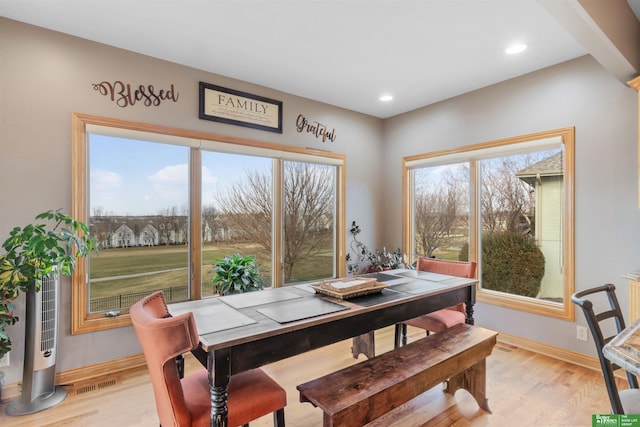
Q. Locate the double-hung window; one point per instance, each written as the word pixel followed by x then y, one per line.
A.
pixel 163 204
pixel 506 204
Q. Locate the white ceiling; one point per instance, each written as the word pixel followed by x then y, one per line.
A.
pixel 343 52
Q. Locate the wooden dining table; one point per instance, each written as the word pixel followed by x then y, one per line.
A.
pixel 245 331
pixel 624 349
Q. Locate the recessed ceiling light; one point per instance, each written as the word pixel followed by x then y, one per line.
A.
pixel 516 48
pixel 386 98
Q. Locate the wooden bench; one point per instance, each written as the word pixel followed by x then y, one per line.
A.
pixel 358 394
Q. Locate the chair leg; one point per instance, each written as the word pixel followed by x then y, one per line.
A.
pixel 278 418
pixel 404 334
pixel 397 336
pixel 180 365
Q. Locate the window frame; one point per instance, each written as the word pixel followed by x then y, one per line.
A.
pixel 566 136
pixel 82 321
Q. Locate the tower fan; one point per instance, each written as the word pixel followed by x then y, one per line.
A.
pixel 41 335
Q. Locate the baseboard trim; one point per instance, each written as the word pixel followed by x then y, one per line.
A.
pixel 72 376
pixel 85 374
pixel 579 359
pixel 117 367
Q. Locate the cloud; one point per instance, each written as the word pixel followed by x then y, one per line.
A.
pixel 207 177
pixel 171 176
pixel 103 180
pixel 106 187
pixel 170 186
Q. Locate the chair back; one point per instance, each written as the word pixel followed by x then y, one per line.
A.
pixel 597 320
pixel 162 338
pixel 452 268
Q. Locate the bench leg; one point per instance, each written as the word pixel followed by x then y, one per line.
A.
pixel 474 380
pixel 364 344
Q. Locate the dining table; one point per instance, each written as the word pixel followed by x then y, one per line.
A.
pixel 245 331
pixel 624 349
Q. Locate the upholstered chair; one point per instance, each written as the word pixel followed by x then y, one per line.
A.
pixel 447 317
pixel 186 401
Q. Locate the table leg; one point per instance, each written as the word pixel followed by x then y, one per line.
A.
pixel 218 383
pixel 469 315
pixel 470 303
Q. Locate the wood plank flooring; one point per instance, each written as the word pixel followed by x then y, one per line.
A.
pixel 524 389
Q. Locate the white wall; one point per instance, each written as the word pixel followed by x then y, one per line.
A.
pixel 604 112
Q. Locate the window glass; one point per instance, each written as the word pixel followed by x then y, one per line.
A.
pixel 139 215
pixel 521 202
pixel 441 211
pixel 237 210
pixel 508 205
pixel 145 189
pixel 309 221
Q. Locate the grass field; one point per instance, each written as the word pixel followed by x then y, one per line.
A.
pixel 132 270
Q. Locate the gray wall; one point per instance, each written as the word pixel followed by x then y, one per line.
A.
pixel 45 76
pixel 604 112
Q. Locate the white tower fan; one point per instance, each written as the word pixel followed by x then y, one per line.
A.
pixel 41 335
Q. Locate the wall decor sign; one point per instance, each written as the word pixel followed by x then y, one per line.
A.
pixel 124 96
pixel 233 107
pixel 317 129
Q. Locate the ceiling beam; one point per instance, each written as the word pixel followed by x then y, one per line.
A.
pixel 608 30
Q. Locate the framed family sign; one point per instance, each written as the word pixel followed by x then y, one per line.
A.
pixel 233 107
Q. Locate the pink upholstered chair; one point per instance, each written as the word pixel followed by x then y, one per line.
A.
pixel 447 317
pixel 186 402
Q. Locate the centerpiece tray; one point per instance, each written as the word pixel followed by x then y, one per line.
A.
pixel 348 288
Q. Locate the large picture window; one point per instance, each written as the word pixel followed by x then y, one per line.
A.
pixel 508 205
pixel 164 204
pixel 139 215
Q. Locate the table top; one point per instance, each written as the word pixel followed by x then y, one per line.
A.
pixel 233 320
pixel 624 349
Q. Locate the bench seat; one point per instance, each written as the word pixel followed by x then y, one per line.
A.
pixel 358 394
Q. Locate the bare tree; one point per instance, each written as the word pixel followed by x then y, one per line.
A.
pixel 506 200
pixel 435 216
pixel 98 211
pixel 308 207
pixel 172 225
pixel 210 219
pixel 101 226
pixel 247 208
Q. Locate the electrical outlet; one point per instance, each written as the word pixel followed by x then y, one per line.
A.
pixel 4 361
pixel 582 333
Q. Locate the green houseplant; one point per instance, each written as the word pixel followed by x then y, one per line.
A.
pixel 235 274
pixel 35 251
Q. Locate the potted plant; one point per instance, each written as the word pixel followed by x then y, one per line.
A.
pixel 35 251
pixel 235 274
pixel 367 261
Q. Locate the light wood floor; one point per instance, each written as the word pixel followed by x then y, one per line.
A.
pixel 524 389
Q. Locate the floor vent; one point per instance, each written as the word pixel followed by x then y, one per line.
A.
pixel 502 347
pixel 94 385
pixel 86 389
pixel 107 384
